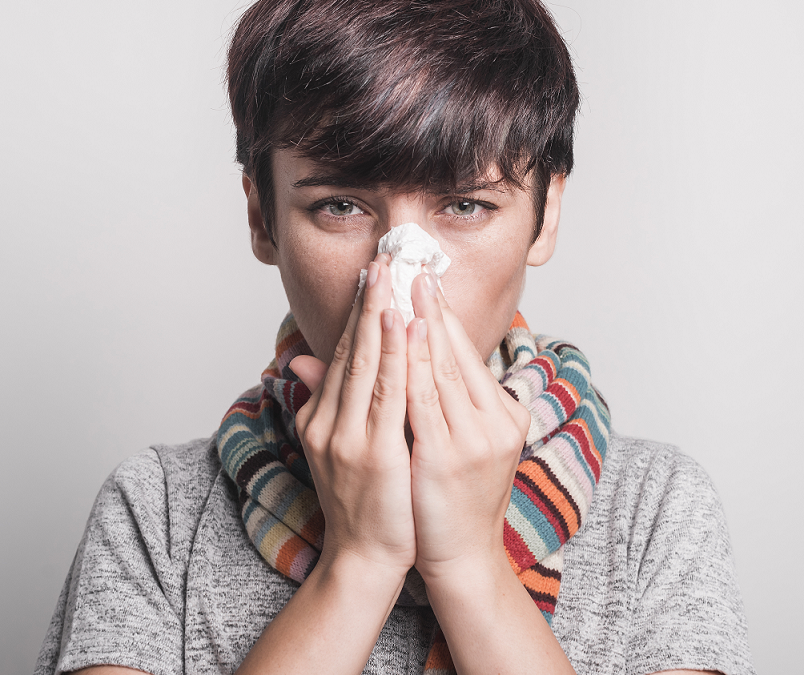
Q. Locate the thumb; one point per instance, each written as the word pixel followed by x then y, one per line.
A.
pixel 310 370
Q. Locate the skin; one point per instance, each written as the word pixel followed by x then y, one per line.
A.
pixel 435 499
pixel 320 255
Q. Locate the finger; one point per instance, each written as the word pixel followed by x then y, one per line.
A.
pixel 481 385
pixel 388 404
pixel 327 398
pixel 452 392
pixel 362 366
pixel 520 414
pixel 424 406
pixel 310 370
pixel 325 401
pixel 484 390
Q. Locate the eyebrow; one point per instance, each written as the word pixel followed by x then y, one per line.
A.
pixel 341 181
pixel 477 187
pixel 334 180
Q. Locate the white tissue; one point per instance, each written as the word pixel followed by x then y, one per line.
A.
pixel 410 247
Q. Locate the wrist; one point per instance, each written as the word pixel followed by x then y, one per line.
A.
pixel 490 620
pixel 360 573
pixel 468 572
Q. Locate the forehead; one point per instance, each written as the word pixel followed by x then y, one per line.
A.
pixel 296 171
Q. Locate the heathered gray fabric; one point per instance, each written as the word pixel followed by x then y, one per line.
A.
pixel 166 580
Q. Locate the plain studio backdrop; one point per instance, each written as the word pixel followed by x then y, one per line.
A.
pixel 133 311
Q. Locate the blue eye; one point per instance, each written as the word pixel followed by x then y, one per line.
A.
pixel 463 207
pixel 342 208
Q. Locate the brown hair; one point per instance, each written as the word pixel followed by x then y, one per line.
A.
pixel 423 94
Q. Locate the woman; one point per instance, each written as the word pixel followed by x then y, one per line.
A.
pixel 454 460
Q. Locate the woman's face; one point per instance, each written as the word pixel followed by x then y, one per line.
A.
pixel 326 232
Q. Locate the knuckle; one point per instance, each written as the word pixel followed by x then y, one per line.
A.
pixel 474 355
pixel 480 457
pixel 507 443
pixel 523 420
pixel 449 371
pixel 428 397
pixel 340 447
pixel 344 347
pixel 485 448
pixel 314 438
pixel 357 365
pixel 423 357
pixel 384 389
pixel 513 441
pixel 370 306
pixel 391 348
pixel 302 418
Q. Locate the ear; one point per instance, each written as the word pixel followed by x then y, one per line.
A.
pixel 542 249
pixel 261 244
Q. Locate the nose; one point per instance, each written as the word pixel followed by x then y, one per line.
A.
pixel 403 208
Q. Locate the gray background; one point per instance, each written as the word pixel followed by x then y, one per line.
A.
pixel 133 312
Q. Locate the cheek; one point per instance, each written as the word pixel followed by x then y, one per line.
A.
pixel 483 290
pixel 321 282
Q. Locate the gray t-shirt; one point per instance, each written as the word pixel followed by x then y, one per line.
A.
pixel 166 580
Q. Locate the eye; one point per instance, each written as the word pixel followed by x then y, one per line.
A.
pixel 340 207
pixel 464 207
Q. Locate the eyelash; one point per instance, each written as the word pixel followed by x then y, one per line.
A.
pixel 458 200
pixel 335 199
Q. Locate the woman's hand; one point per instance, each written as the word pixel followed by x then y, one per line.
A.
pixel 352 431
pixel 468 436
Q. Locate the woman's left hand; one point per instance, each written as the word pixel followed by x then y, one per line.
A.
pixel 468 433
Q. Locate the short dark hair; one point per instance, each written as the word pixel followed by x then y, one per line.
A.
pixel 423 94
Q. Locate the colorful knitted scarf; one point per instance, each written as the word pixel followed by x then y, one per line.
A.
pixel 559 468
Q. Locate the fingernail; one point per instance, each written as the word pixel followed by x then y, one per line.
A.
pixel 373 272
pixel 432 284
pixel 383 258
pixel 423 329
pixel 387 319
pixel 290 365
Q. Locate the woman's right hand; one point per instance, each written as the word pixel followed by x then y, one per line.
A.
pixel 352 431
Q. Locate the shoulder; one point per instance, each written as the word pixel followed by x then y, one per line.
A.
pixel 127 585
pixel 189 468
pixel 645 473
pixel 191 462
pixel 165 487
pixel 651 493
pixel 641 457
pixel 159 493
pixel 653 559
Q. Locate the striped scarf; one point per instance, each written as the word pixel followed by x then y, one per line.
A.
pixel 559 467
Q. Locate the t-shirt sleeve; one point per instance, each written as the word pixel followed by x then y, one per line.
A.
pixel 688 611
pixel 122 602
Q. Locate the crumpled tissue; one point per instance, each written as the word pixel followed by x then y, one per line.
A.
pixel 410 247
